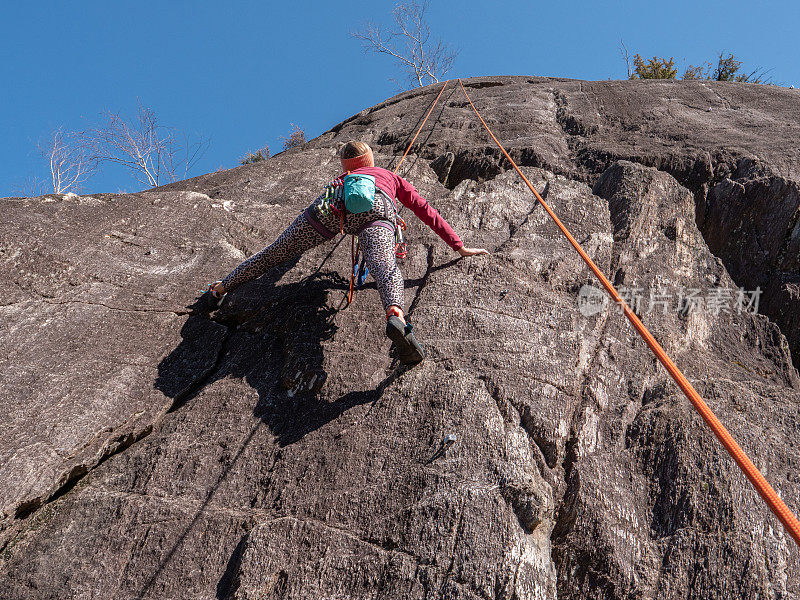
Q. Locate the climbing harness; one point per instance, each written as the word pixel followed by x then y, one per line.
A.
pixel 776 505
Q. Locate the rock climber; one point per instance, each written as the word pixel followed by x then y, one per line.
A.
pixel 376 228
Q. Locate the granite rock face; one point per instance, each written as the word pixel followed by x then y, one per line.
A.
pixel 156 447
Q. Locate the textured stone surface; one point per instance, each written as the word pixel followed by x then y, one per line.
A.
pixel 272 449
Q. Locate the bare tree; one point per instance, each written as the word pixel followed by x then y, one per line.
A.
pixel 152 152
pixel 409 42
pixel 30 187
pixel 71 162
pixel 624 51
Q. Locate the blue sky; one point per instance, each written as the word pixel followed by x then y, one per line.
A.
pixel 240 72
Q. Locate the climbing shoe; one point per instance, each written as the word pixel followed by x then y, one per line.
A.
pixel 211 299
pixel 408 349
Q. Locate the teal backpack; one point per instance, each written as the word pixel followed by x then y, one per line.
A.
pixel 359 192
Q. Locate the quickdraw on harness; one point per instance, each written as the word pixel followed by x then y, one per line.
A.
pixel 333 195
pixel 400 247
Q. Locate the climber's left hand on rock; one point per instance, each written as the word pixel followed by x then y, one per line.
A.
pixel 464 251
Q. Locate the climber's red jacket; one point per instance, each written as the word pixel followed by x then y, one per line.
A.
pixel 397 187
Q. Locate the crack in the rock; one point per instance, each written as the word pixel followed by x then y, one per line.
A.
pixel 558 386
pixel 109 429
pixel 121 443
pixel 445 574
pixel 794 224
pixel 16 303
pixel 69 480
pixel 503 405
pixel 563 515
pixel 125 238
pixel 178 313
pixel 722 169
pixel 423 283
pixel 514 229
pixel 190 504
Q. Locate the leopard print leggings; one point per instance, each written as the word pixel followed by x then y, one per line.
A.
pixel 316 225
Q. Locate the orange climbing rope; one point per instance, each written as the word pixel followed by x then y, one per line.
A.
pixel 425 120
pixel 401 252
pixel 763 487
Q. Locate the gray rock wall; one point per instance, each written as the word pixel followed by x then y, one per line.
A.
pixel 272 449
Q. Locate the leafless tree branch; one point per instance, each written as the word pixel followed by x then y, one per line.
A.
pixel 71 163
pixel 624 51
pixel 152 152
pixel 30 187
pixel 409 42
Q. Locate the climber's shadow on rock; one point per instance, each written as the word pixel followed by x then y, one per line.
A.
pixel 271 337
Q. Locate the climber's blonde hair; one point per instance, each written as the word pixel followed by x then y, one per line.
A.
pixel 352 149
